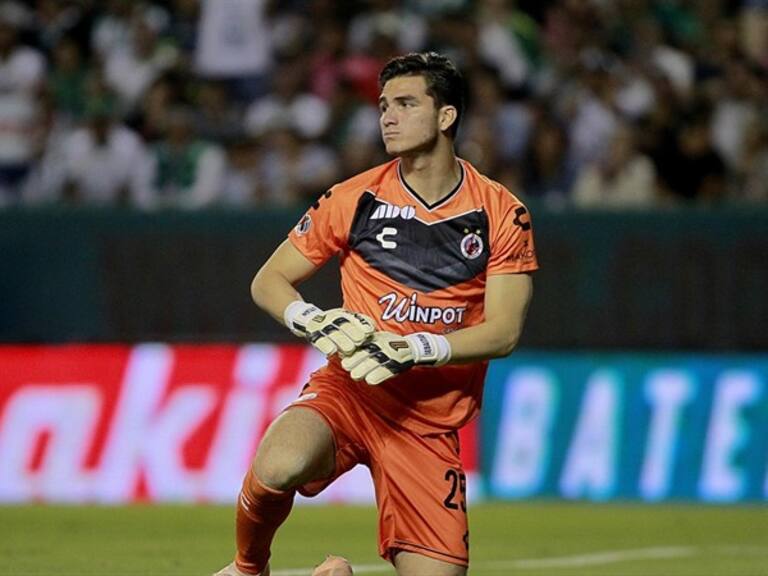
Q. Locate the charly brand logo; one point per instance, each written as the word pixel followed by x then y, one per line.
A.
pixel 407 309
pixel 382 238
pixel 389 211
pixel 471 246
pixel 304 225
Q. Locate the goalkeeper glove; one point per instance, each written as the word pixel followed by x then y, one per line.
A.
pixel 387 355
pixel 336 330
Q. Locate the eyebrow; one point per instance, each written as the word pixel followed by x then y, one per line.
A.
pixel 401 99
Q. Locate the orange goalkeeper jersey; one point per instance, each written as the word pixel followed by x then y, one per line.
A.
pixel 415 267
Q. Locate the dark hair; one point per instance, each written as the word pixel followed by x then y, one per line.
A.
pixel 444 82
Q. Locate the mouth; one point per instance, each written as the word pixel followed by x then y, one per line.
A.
pixel 390 134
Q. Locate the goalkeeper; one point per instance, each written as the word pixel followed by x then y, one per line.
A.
pixel 435 277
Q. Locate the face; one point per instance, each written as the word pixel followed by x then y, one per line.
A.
pixel 409 120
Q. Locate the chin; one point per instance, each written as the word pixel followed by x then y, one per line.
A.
pixel 394 149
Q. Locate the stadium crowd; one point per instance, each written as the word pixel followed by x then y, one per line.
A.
pixel 249 103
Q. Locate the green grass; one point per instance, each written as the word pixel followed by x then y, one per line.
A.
pixel 196 540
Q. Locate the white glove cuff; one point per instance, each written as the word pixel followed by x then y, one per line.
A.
pixel 297 314
pixel 432 349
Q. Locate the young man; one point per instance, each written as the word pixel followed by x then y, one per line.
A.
pixel 435 262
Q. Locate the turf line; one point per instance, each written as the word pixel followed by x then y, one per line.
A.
pixel 600 558
pixel 593 559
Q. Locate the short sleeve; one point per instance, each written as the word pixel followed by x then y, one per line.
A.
pixel 324 229
pixel 512 247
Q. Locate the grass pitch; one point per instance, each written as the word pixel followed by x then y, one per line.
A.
pixel 526 539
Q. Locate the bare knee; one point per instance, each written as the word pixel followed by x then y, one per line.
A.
pixel 297 448
pixel 282 471
pixel 411 564
pixel 446 570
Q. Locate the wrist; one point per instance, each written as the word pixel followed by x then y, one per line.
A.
pixel 297 314
pixel 429 349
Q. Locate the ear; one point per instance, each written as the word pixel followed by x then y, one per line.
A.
pixel 446 116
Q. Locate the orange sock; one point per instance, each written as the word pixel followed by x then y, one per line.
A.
pixel 260 512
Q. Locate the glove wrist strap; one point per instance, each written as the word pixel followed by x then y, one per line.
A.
pixel 432 349
pixel 297 314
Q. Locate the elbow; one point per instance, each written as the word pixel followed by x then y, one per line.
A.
pixel 506 345
pixel 258 289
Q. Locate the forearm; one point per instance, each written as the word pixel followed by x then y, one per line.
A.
pixel 272 292
pixel 483 342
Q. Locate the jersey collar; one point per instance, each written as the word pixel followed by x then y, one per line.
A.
pixel 421 200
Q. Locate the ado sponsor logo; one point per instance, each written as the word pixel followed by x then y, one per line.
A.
pixel 390 211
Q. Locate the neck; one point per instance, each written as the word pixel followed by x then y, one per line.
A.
pixel 433 176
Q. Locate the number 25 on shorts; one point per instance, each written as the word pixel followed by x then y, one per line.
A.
pixel 457 491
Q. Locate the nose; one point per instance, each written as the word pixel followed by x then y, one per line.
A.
pixel 388 117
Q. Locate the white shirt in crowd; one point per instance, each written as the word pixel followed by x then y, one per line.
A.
pixel 306 113
pixel 204 190
pixel 20 74
pixel 233 39
pixel 131 76
pixel 101 172
pixel 633 186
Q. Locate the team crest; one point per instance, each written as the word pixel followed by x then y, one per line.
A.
pixel 304 225
pixel 471 246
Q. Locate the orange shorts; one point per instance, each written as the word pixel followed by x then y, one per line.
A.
pixel 419 481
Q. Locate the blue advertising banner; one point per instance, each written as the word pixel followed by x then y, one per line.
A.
pixel 632 427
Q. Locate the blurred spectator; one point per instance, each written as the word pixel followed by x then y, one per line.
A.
pixel 455 34
pixel 183 26
pixel 55 20
pixel 67 81
pixel 215 116
pixel 499 43
pixel 545 170
pixel 43 183
pixel 326 63
pixel 693 170
pixel 754 30
pixel 130 72
pixel 738 105
pixel 111 32
pixel 652 47
pixel 359 154
pixel 102 160
pixel 507 122
pixel 289 104
pixel 624 179
pixel 751 175
pixel 149 118
pixel 388 18
pixel 183 171
pixel 242 183
pixel 295 171
pixel 21 76
pixel 351 118
pixel 234 42
pixel 362 69
pixel 594 118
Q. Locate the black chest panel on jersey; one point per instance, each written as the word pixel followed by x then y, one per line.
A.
pixel 421 256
